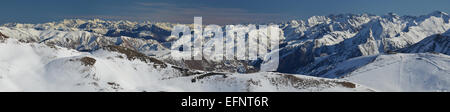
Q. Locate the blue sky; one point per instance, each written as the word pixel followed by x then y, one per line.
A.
pixel 212 11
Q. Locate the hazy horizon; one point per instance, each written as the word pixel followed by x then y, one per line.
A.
pixel 212 11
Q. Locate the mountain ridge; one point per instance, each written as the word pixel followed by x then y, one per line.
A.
pixel 310 47
pixel 116 69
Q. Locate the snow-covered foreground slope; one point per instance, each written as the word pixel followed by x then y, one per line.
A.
pixel 405 72
pixel 41 67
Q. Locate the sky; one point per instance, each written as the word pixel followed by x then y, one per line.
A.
pixel 212 11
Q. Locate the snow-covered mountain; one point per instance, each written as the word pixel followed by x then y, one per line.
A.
pixel 40 67
pixel 334 46
pixel 377 36
pixel 439 43
pixel 147 30
pixel 81 40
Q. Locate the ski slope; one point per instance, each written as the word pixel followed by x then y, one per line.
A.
pixel 405 72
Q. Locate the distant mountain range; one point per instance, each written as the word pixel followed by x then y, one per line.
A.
pixel 368 52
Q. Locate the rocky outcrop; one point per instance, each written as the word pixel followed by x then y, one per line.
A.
pixel 3 37
pixel 132 55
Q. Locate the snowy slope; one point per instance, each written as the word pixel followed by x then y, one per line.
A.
pixel 39 67
pixel 405 72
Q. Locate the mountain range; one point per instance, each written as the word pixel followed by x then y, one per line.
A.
pixel 346 52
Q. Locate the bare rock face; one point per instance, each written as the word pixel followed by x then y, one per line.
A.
pixel 88 61
pixel 232 66
pixel 3 37
pixel 132 55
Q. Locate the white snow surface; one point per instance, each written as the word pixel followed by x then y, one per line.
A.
pixel 405 72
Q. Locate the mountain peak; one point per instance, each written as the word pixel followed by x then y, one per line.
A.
pixel 438 13
pixel 391 15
